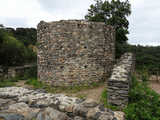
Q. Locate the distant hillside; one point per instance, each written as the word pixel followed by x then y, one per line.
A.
pixel 17 46
pixel 147 58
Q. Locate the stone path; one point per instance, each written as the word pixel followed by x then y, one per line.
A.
pixel 17 103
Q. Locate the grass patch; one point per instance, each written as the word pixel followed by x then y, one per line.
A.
pixel 67 89
pixel 34 82
pixel 81 96
pixel 7 82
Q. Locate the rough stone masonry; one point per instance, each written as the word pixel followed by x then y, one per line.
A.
pixel 17 103
pixel 74 52
pixel 119 83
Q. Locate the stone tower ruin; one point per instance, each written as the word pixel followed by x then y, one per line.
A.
pixel 74 52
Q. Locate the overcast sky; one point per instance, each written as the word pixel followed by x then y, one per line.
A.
pixel 144 22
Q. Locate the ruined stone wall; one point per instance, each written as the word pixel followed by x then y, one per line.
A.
pixel 17 103
pixel 74 52
pixel 119 83
pixel 15 71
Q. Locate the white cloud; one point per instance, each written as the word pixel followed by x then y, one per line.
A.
pixel 144 20
pixel 28 10
pixel 66 9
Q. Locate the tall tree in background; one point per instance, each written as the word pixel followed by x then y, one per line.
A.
pixel 113 13
pixel 13 52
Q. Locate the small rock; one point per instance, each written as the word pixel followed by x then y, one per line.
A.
pixel 51 114
pixel 105 117
pixel 23 109
pixel 78 118
pixel 119 115
pixel 93 114
pixel 80 110
pixel 89 103
pixel 69 108
pixel 4 103
pixel 11 116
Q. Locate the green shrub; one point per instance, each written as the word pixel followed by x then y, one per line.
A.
pixel 35 83
pixel 144 103
pixel 31 73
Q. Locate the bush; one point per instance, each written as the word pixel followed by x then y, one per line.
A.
pixel 144 103
pixel 35 83
pixel 14 51
pixel 31 73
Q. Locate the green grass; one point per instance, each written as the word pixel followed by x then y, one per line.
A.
pixel 81 96
pixel 7 83
pixel 34 82
pixel 144 103
pixel 67 89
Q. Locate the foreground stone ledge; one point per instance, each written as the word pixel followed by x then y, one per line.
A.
pixel 17 103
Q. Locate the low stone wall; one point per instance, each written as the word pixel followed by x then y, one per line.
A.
pixel 17 103
pixel 119 83
pixel 15 71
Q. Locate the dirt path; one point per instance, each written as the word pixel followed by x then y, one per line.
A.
pixel 155 86
pixel 155 83
pixel 94 93
pixel 21 83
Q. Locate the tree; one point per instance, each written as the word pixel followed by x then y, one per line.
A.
pixel 12 51
pixel 26 35
pixel 113 13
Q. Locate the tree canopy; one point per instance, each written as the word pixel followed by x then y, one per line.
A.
pixel 115 13
pixel 13 51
